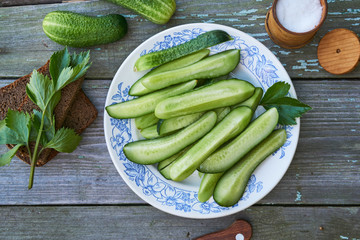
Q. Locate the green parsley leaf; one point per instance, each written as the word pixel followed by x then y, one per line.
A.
pixel 58 61
pixel 48 128
pixel 20 123
pixel 6 157
pixel 7 135
pixel 289 108
pixel 65 140
pixel 277 90
pixel 40 90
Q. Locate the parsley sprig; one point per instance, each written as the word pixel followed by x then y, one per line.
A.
pixel 289 108
pixel 21 128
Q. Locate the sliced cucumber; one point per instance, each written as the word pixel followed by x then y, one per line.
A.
pixel 204 40
pixel 172 124
pixel 232 184
pixel 222 112
pixel 146 121
pixel 210 67
pixel 234 123
pixel 155 150
pixel 207 186
pixel 225 157
pixel 146 104
pixel 150 132
pixel 221 94
pixel 253 101
pixel 138 89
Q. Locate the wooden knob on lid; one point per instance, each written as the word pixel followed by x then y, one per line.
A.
pixel 339 51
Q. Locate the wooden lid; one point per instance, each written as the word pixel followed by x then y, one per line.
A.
pixel 339 51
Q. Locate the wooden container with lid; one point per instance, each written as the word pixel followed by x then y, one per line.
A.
pixel 286 38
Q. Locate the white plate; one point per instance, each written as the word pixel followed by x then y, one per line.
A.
pixel 258 66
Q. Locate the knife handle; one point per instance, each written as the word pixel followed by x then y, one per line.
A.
pixel 239 230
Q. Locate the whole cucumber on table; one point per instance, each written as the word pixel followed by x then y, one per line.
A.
pixel 158 149
pixel 204 40
pixel 220 94
pixel 138 89
pixel 232 184
pixel 157 11
pixel 78 30
pixel 216 65
pixel 228 155
pixel 146 104
pixel 234 123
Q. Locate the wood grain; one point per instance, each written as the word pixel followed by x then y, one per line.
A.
pixel 147 223
pixel 8 3
pixel 32 46
pixel 240 229
pixel 325 169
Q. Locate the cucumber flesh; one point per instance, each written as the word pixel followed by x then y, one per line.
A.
pixel 222 112
pixel 138 89
pixel 146 104
pixel 225 157
pixel 155 150
pixel 204 40
pixel 146 121
pixel 210 67
pixel 253 101
pixel 221 94
pixel 207 186
pixel 172 124
pixel 232 184
pixel 236 121
pixel 149 132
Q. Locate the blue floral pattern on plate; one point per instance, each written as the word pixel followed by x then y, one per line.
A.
pixel 158 188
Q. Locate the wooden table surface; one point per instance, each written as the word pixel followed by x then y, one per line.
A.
pixel 82 196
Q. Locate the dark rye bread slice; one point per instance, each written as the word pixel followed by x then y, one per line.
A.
pixel 81 114
pixel 14 95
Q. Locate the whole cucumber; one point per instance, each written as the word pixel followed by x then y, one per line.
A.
pixel 232 184
pixel 78 30
pixel 157 11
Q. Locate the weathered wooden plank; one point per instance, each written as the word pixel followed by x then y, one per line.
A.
pixel 8 3
pixel 22 39
pixel 144 222
pixel 325 169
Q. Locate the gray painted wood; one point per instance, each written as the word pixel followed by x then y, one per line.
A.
pixel 22 39
pixel 325 169
pixel 144 222
pixel 8 3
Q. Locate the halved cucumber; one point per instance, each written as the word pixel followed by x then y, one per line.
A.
pixel 146 121
pixel 210 67
pixel 234 123
pixel 146 104
pixel 232 184
pixel 138 89
pixel 204 40
pixel 225 157
pixel 155 150
pixel 207 186
pixel 150 132
pixel 221 94
pixel 172 124
pixel 253 101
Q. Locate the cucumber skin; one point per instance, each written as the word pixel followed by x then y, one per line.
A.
pixel 221 94
pixel 207 186
pixel 78 30
pixel 232 184
pixel 138 89
pixel 172 124
pixel 253 101
pixel 157 11
pixel 214 66
pixel 149 132
pixel 234 123
pixel 146 104
pixel 156 150
pixel 204 40
pixel 146 121
pixel 227 156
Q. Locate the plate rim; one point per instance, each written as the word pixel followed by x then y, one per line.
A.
pixel 107 118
